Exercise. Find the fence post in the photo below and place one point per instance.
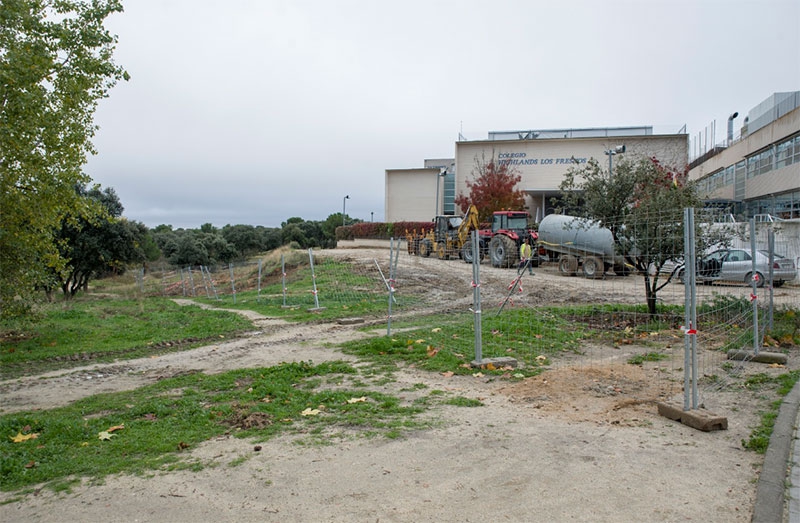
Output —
(476, 297)
(689, 312)
(283, 279)
(191, 279)
(771, 248)
(754, 282)
(390, 287)
(258, 293)
(313, 279)
(233, 284)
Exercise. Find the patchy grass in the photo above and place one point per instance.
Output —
(164, 421)
(450, 346)
(105, 329)
(782, 385)
(648, 356)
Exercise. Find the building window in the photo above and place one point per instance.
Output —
(759, 163)
(728, 176)
(787, 152)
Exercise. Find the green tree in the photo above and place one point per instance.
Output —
(98, 242)
(55, 65)
(492, 188)
(642, 204)
(245, 239)
(190, 251)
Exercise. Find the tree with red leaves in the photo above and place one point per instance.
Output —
(492, 188)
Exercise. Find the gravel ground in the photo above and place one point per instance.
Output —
(578, 443)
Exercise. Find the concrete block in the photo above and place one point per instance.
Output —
(349, 321)
(699, 419)
(761, 357)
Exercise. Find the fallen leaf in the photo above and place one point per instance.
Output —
(432, 351)
(437, 329)
(419, 341)
(519, 375)
(85, 444)
(490, 366)
(357, 400)
(20, 437)
(541, 357)
(116, 427)
(448, 374)
(30, 464)
(310, 412)
(104, 435)
(478, 375)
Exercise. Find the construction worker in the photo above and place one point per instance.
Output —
(525, 252)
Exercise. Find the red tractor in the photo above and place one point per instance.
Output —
(509, 230)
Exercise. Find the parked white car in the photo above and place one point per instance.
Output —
(736, 265)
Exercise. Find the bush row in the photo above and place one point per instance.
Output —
(380, 231)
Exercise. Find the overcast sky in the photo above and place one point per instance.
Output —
(252, 112)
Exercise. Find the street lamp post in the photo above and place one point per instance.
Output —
(344, 207)
(371, 216)
(442, 174)
(611, 152)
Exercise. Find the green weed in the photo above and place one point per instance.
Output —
(160, 423)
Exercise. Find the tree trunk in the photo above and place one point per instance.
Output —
(650, 294)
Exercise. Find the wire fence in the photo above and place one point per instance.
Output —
(577, 308)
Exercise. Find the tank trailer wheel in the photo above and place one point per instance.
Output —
(568, 265)
(592, 268)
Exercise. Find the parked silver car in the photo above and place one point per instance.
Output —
(736, 265)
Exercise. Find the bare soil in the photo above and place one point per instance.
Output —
(580, 442)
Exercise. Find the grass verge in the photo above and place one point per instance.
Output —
(782, 384)
(154, 427)
(105, 329)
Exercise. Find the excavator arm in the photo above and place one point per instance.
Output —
(468, 224)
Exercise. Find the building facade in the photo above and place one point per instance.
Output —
(758, 173)
(540, 157)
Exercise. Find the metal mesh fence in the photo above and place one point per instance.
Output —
(614, 325)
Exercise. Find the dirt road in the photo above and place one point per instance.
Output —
(557, 447)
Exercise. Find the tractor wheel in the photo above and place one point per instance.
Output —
(592, 268)
(466, 252)
(441, 251)
(502, 251)
(568, 265)
(425, 248)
